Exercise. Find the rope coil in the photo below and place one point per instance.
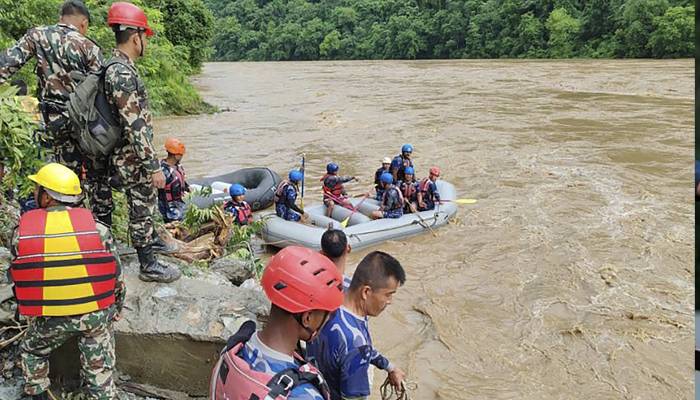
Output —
(389, 393)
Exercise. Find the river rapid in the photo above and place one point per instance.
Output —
(571, 278)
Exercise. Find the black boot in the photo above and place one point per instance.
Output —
(160, 246)
(152, 270)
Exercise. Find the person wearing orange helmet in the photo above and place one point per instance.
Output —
(134, 158)
(428, 194)
(304, 288)
(171, 202)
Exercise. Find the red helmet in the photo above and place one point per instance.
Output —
(121, 13)
(174, 146)
(435, 171)
(298, 279)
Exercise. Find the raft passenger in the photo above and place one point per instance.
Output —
(286, 197)
(241, 210)
(333, 189)
(392, 200)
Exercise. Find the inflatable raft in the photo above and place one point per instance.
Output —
(362, 231)
(260, 184)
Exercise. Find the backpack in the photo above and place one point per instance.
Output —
(95, 127)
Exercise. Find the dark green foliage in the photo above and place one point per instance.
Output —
(408, 29)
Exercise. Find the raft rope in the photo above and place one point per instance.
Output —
(389, 393)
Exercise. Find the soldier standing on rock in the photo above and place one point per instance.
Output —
(135, 160)
(67, 281)
(61, 51)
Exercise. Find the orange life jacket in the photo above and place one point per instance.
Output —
(62, 267)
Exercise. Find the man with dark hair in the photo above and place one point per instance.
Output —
(334, 245)
(343, 349)
(61, 51)
(134, 158)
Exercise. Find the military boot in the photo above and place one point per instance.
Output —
(154, 271)
(161, 246)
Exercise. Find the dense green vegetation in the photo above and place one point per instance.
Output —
(183, 29)
(400, 29)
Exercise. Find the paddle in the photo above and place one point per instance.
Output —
(413, 209)
(344, 223)
(303, 178)
(460, 201)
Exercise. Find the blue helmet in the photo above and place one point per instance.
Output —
(407, 148)
(332, 168)
(408, 171)
(295, 175)
(236, 190)
(387, 178)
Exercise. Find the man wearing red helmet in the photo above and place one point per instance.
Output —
(428, 194)
(304, 287)
(134, 158)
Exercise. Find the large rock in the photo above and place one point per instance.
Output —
(235, 270)
(170, 334)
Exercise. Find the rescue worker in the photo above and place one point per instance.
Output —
(62, 51)
(343, 349)
(135, 160)
(241, 210)
(171, 202)
(333, 189)
(67, 281)
(392, 201)
(409, 190)
(304, 288)
(286, 197)
(386, 167)
(401, 162)
(335, 246)
(428, 194)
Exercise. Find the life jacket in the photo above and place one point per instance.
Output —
(175, 189)
(405, 162)
(62, 267)
(335, 192)
(424, 185)
(241, 211)
(408, 190)
(386, 195)
(279, 193)
(233, 379)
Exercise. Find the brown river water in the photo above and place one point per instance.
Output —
(570, 278)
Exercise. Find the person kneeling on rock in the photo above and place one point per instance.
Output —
(305, 288)
(242, 213)
(171, 202)
(67, 279)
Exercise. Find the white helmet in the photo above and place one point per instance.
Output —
(386, 160)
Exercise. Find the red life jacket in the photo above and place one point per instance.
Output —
(62, 267)
(334, 193)
(424, 185)
(408, 190)
(175, 189)
(243, 212)
(233, 379)
(386, 194)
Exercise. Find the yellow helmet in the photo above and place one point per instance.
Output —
(58, 179)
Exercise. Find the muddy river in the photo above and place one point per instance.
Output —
(571, 278)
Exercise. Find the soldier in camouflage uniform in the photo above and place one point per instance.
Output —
(135, 160)
(60, 50)
(49, 325)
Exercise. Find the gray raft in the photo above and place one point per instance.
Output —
(362, 231)
(260, 184)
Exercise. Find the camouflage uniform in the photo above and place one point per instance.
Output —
(135, 161)
(95, 338)
(59, 50)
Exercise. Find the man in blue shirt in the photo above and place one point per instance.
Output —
(343, 349)
(401, 162)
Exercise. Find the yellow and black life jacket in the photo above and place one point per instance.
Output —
(62, 267)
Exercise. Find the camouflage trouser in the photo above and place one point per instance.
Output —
(141, 199)
(95, 342)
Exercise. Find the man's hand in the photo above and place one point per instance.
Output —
(304, 217)
(396, 376)
(158, 179)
